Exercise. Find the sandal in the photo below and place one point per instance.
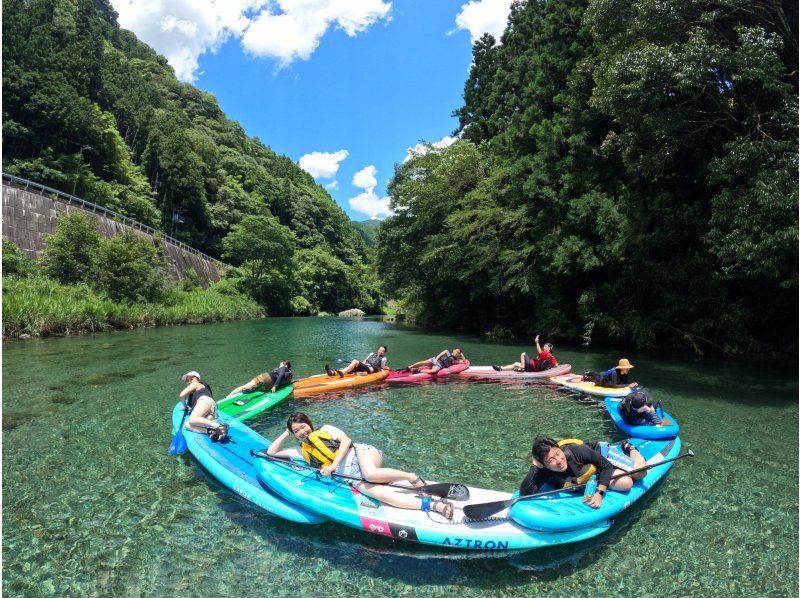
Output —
(328, 370)
(626, 447)
(447, 508)
(422, 493)
(496, 368)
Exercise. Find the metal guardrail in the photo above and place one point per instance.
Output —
(116, 216)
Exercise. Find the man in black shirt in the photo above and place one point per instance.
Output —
(570, 464)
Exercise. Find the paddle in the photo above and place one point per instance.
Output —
(453, 491)
(487, 509)
(178, 444)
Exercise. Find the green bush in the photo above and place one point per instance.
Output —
(192, 281)
(130, 268)
(71, 251)
(14, 261)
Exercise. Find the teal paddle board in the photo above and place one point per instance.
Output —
(566, 510)
(231, 464)
(342, 502)
(650, 432)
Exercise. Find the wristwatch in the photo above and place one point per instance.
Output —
(602, 492)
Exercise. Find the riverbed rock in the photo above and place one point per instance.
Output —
(352, 313)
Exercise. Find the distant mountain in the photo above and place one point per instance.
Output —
(368, 230)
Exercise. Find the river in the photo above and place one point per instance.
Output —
(93, 505)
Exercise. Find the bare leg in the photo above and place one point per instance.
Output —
(513, 366)
(351, 367)
(626, 483)
(432, 371)
(420, 364)
(369, 462)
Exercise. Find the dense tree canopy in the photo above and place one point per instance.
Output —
(89, 108)
(626, 171)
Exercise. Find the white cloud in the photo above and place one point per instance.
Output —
(294, 32)
(423, 148)
(181, 30)
(285, 30)
(365, 178)
(323, 165)
(484, 16)
(333, 185)
(369, 202)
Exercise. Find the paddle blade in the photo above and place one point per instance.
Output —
(451, 491)
(178, 444)
(487, 509)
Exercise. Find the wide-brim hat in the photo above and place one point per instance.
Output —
(624, 364)
(190, 374)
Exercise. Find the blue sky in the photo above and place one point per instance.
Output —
(344, 87)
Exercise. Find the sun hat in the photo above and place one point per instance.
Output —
(189, 374)
(624, 364)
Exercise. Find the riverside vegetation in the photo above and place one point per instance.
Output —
(625, 172)
(90, 110)
(88, 283)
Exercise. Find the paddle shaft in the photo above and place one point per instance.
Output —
(485, 509)
(428, 487)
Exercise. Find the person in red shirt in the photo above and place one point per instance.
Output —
(544, 360)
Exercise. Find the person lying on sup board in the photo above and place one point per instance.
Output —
(561, 465)
(443, 360)
(204, 417)
(544, 360)
(639, 409)
(616, 377)
(371, 364)
(331, 451)
(268, 381)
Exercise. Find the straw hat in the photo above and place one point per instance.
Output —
(624, 364)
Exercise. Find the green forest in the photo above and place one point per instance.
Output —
(626, 172)
(90, 110)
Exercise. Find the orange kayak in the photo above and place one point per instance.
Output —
(323, 383)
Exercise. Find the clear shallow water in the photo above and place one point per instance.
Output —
(92, 504)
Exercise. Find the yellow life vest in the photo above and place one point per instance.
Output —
(320, 449)
(587, 472)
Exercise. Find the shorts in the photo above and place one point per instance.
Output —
(364, 367)
(529, 365)
(349, 466)
(263, 380)
(614, 454)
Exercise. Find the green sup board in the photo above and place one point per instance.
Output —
(243, 406)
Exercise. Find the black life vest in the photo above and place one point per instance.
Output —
(446, 361)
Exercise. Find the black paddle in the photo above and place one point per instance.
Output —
(487, 509)
(446, 490)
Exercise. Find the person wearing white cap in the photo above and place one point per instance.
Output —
(204, 417)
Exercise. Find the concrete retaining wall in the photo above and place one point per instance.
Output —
(29, 216)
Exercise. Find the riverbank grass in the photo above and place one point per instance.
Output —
(41, 306)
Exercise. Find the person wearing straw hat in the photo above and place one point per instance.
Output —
(204, 417)
(618, 375)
